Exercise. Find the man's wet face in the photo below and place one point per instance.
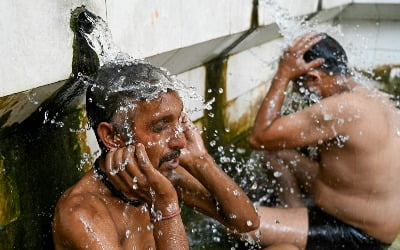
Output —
(158, 127)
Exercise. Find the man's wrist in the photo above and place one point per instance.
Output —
(161, 217)
(282, 77)
(197, 161)
(164, 209)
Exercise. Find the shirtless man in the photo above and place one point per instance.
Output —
(354, 180)
(130, 200)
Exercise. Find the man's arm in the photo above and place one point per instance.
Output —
(331, 117)
(202, 184)
(291, 66)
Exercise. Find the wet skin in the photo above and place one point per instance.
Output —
(355, 131)
(88, 215)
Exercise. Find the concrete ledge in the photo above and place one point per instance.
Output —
(381, 11)
(328, 4)
(180, 60)
(377, 1)
(21, 105)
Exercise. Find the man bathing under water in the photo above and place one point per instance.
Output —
(130, 200)
(354, 180)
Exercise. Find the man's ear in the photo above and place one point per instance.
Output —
(314, 75)
(108, 135)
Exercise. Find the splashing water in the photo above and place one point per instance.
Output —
(291, 27)
(99, 38)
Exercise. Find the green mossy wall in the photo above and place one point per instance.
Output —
(37, 163)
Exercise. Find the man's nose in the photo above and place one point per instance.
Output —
(178, 140)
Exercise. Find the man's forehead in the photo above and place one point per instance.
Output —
(162, 103)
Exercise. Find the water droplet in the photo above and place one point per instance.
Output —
(127, 233)
(249, 223)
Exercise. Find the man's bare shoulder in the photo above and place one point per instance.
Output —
(85, 190)
(79, 211)
(351, 106)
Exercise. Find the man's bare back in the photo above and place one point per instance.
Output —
(355, 130)
(364, 161)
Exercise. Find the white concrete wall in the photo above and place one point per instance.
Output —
(36, 42)
(371, 43)
(248, 69)
(145, 28)
(181, 35)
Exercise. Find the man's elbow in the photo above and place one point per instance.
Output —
(255, 223)
(250, 224)
(254, 142)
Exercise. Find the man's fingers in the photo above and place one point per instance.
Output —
(134, 176)
(307, 38)
(113, 172)
(118, 159)
(111, 165)
(109, 160)
(296, 41)
(143, 161)
(188, 131)
(309, 44)
(315, 63)
(300, 41)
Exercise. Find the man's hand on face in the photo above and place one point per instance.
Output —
(292, 64)
(130, 170)
(195, 148)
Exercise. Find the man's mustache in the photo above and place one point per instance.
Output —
(174, 154)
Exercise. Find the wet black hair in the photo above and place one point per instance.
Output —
(333, 53)
(115, 86)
